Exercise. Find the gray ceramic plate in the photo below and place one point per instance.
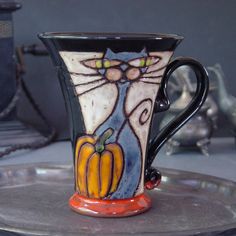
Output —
(33, 201)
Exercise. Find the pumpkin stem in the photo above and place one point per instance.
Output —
(100, 145)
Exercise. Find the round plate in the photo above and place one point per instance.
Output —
(34, 201)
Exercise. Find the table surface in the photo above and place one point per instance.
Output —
(221, 161)
(34, 201)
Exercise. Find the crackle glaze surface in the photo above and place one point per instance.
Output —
(116, 93)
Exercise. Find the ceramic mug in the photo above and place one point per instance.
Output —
(113, 84)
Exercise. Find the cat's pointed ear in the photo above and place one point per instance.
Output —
(109, 53)
(143, 52)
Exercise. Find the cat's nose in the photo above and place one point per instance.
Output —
(102, 71)
(124, 67)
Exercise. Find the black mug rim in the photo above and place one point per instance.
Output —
(100, 42)
(109, 36)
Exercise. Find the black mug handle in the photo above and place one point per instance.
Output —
(153, 176)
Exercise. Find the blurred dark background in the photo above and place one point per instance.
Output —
(207, 25)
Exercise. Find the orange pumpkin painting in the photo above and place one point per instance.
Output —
(98, 166)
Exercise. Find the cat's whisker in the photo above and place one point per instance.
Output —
(91, 89)
(90, 82)
(83, 74)
(149, 82)
(150, 71)
(151, 77)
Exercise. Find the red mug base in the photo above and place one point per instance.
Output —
(110, 208)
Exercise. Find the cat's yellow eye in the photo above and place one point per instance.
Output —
(152, 60)
(93, 63)
(142, 62)
(139, 62)
(98, 64)
(107, 64)
(148, 62)
(111, 63)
